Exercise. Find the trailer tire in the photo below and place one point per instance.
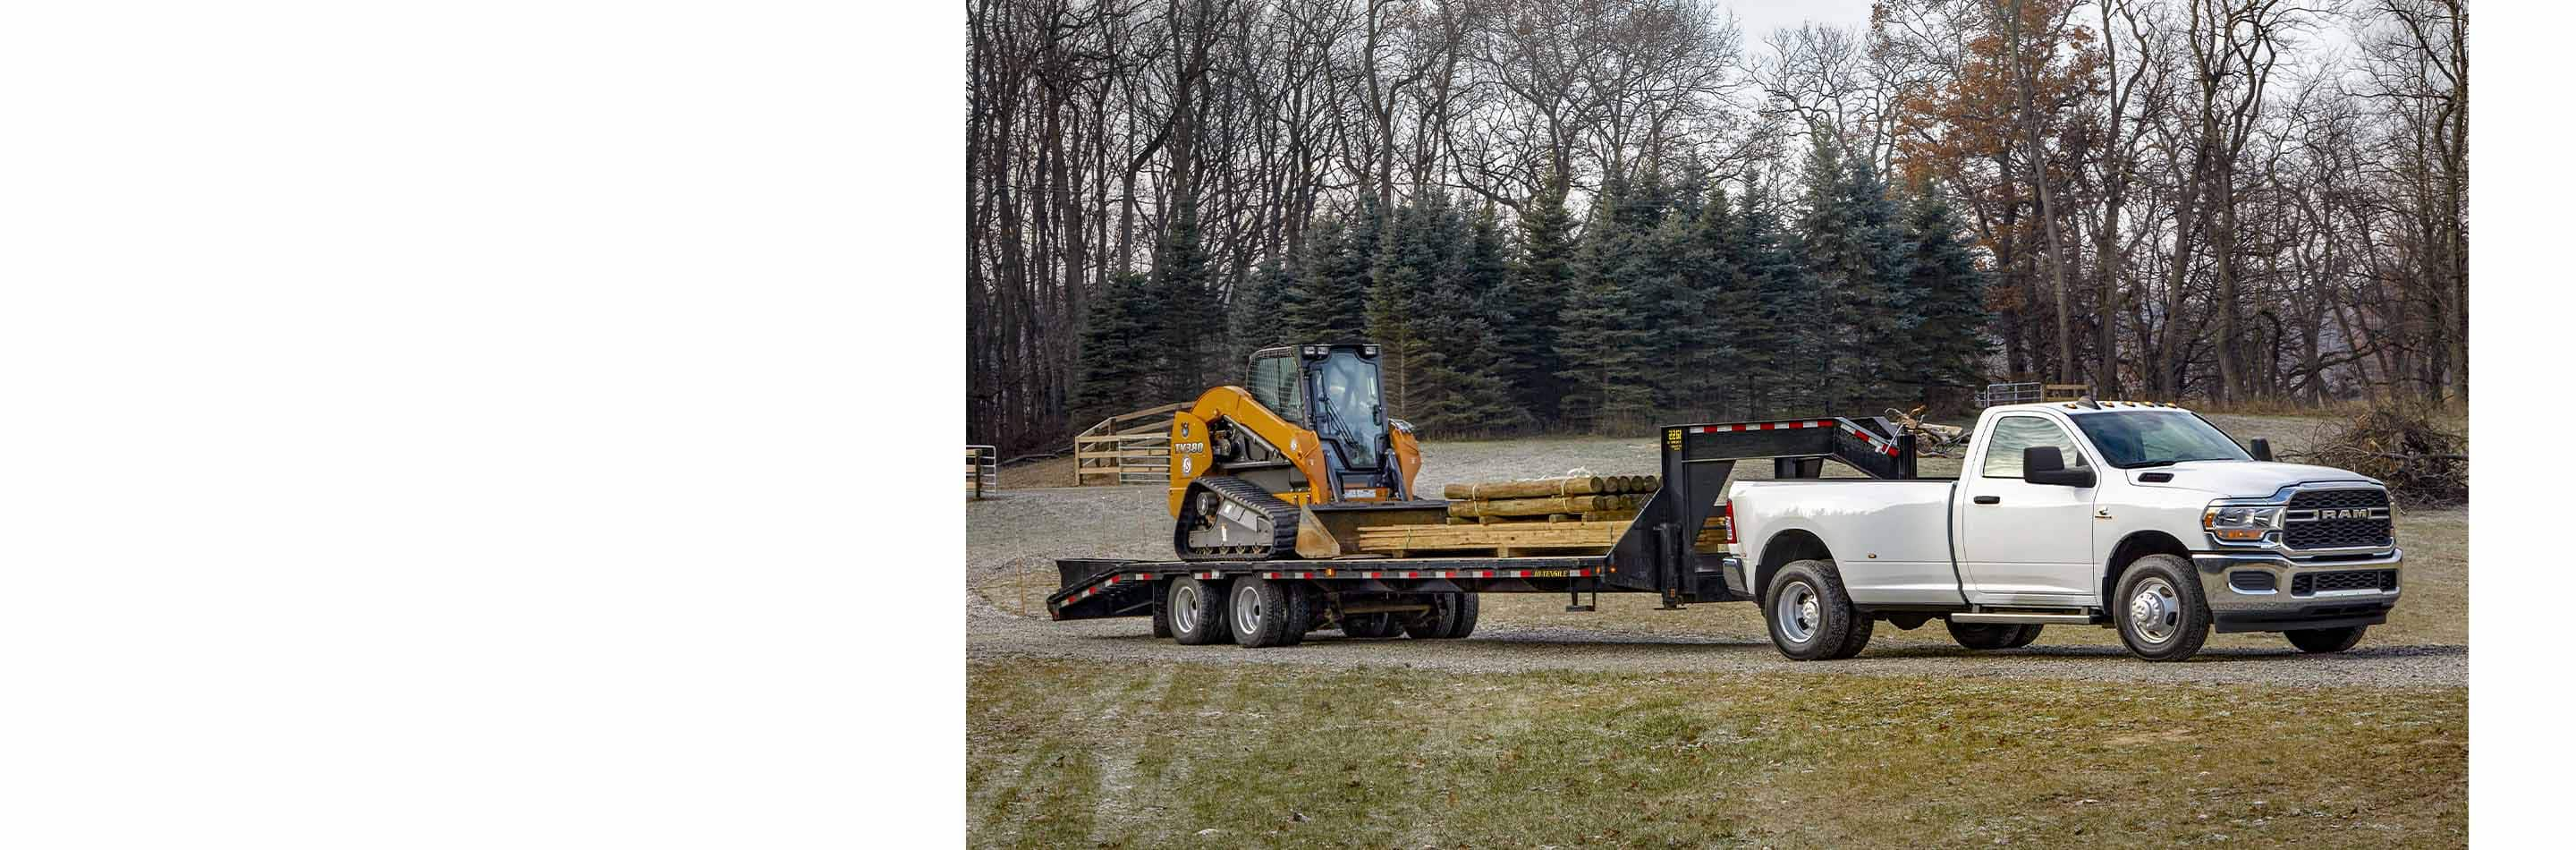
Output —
(1433, 624)
(1987, 635)
(1463, 622)
(1162, 617)
(1195, 609)
(1379, 625)
(1262, 613)
(1305, 611)
(2159, 609)
(1821, 618)
(2325, 640)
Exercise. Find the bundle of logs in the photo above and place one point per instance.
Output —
(1581, 498)
(1581, 514)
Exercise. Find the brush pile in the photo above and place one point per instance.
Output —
(1574, 498)
(2423, 464)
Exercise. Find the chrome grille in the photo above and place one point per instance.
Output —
(2352, 517)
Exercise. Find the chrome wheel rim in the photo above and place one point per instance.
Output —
(1247, 609)
(2155, 610)
(1797, 612)
(1185, 608)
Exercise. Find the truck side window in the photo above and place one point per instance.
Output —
(2015, 433)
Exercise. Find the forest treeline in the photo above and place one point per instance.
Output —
(1596, 213)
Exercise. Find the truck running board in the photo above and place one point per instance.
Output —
(2026, 619)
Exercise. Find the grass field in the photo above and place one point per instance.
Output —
(1062, 755)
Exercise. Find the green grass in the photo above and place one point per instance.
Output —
(1064, 754)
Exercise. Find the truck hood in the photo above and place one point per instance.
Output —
(2241, 479)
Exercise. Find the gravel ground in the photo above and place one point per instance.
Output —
(1012, 539)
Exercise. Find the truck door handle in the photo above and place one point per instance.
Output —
(1990, 500)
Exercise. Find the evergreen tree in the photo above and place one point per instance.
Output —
(1330, 301)
(1946, 296)
(1602, 350)
(1116, 352)
(1847, 235)
(1528, 305)
(1185, 319)
(1259, 310)
(1408, 258)
(1708, 352)
(1782, 343)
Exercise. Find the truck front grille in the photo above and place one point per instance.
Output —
(2372, 529)
(2310, 584)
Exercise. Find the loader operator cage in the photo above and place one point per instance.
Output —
(1347, 409)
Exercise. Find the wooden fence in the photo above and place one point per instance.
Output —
(1129, 448)
(983, 470)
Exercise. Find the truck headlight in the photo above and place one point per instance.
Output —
(2240, 523)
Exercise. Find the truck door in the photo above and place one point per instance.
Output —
(2019, 542)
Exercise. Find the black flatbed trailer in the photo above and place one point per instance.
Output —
(1657, 554)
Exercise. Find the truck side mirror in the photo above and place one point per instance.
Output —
(2262, 449)
(2046, 465)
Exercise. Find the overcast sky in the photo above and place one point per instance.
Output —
(1760, 17)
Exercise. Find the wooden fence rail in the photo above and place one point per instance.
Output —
(1129, 448)
(983, 470)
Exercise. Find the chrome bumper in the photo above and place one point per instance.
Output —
(2278, 608)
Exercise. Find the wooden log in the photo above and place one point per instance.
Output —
(1532, 507)
(1582, 485)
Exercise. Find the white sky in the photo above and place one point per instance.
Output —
(1760, 17)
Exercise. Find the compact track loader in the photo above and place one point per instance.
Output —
(1294, 462)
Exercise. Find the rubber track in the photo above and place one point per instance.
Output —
(1283, 521)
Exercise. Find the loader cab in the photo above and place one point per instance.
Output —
(1332, 390)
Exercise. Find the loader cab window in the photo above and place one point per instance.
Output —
(1273, 383)
(1347, 410)
(2015, 433)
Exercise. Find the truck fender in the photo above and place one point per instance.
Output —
(1782, 547)
(2138, 544)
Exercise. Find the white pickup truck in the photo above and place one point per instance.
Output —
(2141, 517)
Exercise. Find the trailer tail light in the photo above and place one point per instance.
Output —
(1726, 521)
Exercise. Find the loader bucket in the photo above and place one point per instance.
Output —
(1332, 530)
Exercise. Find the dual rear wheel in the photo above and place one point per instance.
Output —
(1257, 612)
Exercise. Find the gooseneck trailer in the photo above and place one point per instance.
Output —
(1261, 603)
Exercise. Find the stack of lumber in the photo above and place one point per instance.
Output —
(1581, 514)
(1580, 498)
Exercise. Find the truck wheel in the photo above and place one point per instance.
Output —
(1858, 638)
(1259, 610)
(2028, 633)
(1992, 635)
(1810, 615)
(1463, 622)
(2159, 609)
(2325, 640)
(1196, 610)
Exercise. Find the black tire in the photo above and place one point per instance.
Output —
(2159, 609)
(2028, 633)
(1987, 635)
(1383, 624)
(2325, 640)
(1858, 639)
(1196, 611)
(1439, 622)
(1822, 620)
(1162, 618)
(1260, 612)
(1305, 609)
(1463, 622)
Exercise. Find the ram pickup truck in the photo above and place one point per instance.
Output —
(2135, 516)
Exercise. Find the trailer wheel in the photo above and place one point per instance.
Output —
(1379, 625)
(1162, 618)
(1196, 609)
(1991, 635)
(1433, 624)
(1463, 622)
(1811, 618)
(2159, 609)
(1262, 613)
(2325, 640)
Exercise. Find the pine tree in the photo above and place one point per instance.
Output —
(1782, 345)
(1330, 302)
(1601, 346)
(1848, 239)
(1187, 321)
(1528, 305)
(1946, 296)
(1709, 355)
(1116, 351)
(1408, 257)
(1259, 309)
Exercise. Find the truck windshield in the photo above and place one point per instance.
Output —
(1346, 407)
(2131, 438)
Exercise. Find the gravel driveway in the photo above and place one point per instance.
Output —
(1011, 541)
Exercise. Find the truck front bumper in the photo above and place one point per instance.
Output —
(2263, 592)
